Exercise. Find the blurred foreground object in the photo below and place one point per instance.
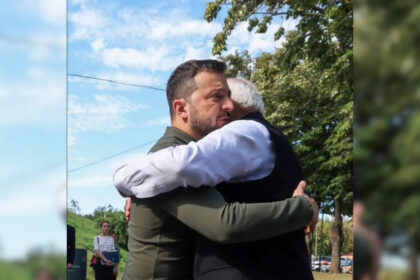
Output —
(387, 127)
(79, 269)
(33, 137)
(71, 246)
(307, 87)
(37, 265)
(367, 247)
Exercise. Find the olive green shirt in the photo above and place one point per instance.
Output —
(162, 228)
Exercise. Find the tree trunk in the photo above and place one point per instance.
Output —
(413, 273)
(309, 239)
(337, 237)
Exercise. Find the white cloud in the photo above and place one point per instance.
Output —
(23, 205)
(164, 29)
(138, 78)
(241, 38)
(86, 23)
(120, 40)
(155, 59)
(37, 73)
(39, 46)
(135, 78)
(253, 42)
(52, 12)
(7, 171)
(98, 45)
(290, 24)
(42, 195)
(195, 53)
(102, 175)
(42, 103)
(90, 181)
(131, 78)
(152, 25)
(77, 2)
(240, 35)
(105, 113)
(71, 138)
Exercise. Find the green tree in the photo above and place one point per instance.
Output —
(74, 206)
(239, 64)
(117, 219)
(322, 239)
(51, 263)
(307, 89)
(120, 225)
(387, 124)
(348, 237)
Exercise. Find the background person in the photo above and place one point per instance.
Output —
(71, 246)
(104, 243)
(160, 243)
(227, 154)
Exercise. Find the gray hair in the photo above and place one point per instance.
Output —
(246, 94)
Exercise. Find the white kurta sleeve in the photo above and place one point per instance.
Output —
(239, 151)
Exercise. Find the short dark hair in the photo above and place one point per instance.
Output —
(105, 222)
(181, 82)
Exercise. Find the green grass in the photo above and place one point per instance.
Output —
(14, 271)
(390, 274)
(330, 276)
(86, 230)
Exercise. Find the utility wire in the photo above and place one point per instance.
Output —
(111, 156)
(115, 82)
(126, 151)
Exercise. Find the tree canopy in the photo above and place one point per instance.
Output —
(387, 135)
(307, 86)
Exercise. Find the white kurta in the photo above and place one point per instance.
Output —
(239, 151)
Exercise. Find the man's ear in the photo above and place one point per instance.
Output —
(180, 108)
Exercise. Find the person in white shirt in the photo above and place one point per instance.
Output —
(104, 243)
(240, 151)
(164, 225)
(237, 152)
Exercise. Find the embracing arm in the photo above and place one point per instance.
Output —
(239, 151)
(206, 211)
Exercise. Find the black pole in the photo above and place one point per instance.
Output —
(321, 245)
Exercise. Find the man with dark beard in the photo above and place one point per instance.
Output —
(161, 236)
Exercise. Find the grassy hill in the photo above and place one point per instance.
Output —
(37, 262)
(14, 271)
(86, 230)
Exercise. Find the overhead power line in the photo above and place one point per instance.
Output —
(115, 82)
(111, 156)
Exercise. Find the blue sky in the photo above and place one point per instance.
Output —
(32, 124)
(139, 44)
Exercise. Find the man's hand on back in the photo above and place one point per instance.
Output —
(127, 209)
(300, 191)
